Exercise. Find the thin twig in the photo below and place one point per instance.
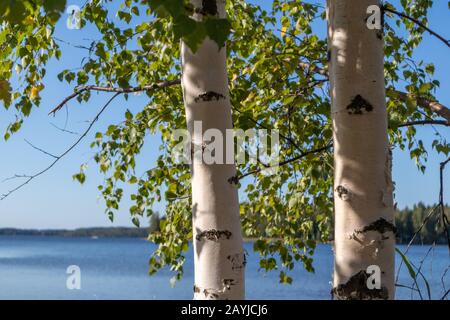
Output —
(424, 222)
(424, 122)
(58, 158)
(80, 90)
(64, 130)
(419, 272)
(444, 274)
(40, 150)
(405, 286)
(403, 15)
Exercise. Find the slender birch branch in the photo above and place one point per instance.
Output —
(59, 157)
(417, 22)
(80, 90)
(424, 122)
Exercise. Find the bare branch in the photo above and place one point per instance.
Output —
(16, 176)
(40, 150)
(80, 90)
(65, 130)
(425, 122)
(58, 158)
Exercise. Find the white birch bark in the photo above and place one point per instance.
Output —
(218, 248)
(363, 191)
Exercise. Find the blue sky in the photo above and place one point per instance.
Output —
(56, 201)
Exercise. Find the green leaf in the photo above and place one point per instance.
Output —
(80, 177)
(408, 264)
(218, 30)
(5, 92)
(284, 278)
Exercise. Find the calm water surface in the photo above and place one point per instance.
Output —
(35, 267)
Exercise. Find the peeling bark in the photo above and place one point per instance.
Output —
(213, 235)
(381, 226)
(343, 193)
(233, 180)
(238, 261)
(216, 294)
(209, 96)
(356, 289)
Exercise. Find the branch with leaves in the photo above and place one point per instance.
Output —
(387, 8)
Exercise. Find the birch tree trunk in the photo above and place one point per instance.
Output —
(218, 247)
(363, 191)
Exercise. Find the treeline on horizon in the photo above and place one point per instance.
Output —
(407, 221)
(106, 232)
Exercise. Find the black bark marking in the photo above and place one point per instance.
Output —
(386, 196)
(380, 34)
(213, 235)
(356, 289)
(209, 8)
(329, 55)
(209, 96)
(381, 225)
(192, 151)
(233, 180)
(343, 193)
(238, 261)
(228, 283)
(358, 105)
(206, 292)
(215, 293)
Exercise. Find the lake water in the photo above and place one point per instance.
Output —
(35, 267)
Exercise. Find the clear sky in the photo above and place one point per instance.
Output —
(56, 201)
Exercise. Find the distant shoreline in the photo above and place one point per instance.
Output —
(101, 232)
(127, 232)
